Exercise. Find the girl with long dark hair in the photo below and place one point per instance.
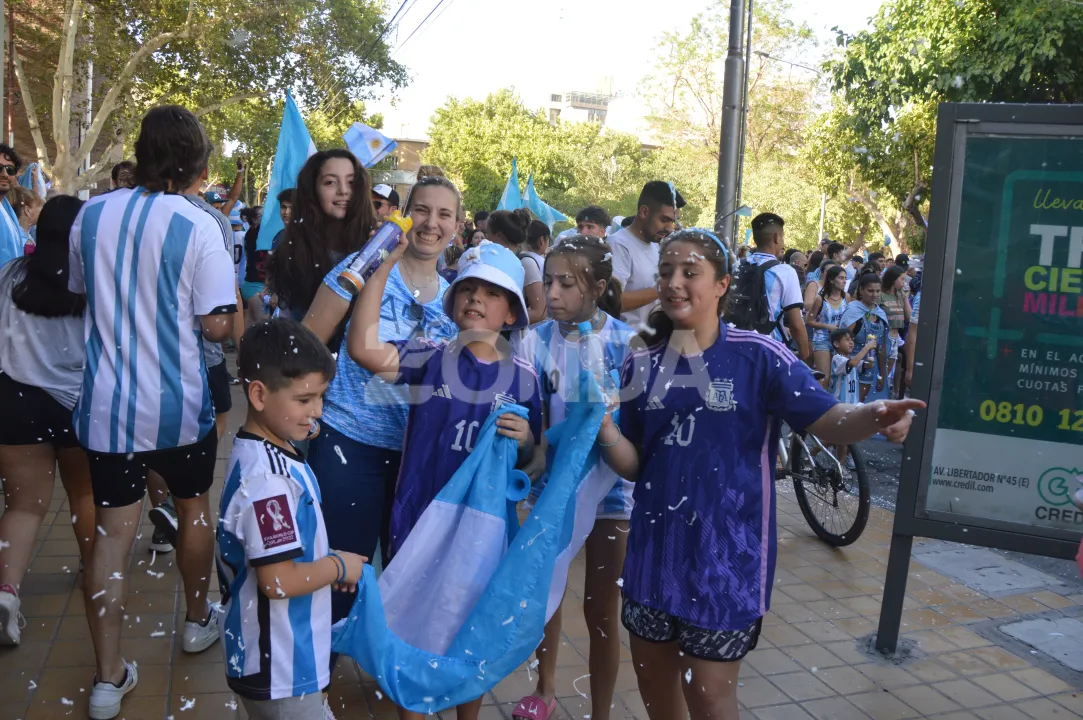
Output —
(41, 369)
(331, 218)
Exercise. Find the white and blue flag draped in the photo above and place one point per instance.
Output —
(465, 601)
(511, 199)
(295, 146)
(33, 179)
(368, 144)
(544, 212)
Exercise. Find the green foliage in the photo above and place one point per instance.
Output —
(209, 56)
(574, 164)
(876, 142)
(685, 95)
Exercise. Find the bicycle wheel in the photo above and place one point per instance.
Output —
(835, 506)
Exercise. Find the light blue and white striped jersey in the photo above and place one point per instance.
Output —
(12, 237)
(844, 380)
(150, 265)
(783, 291)
(555, 360)
(270, 513)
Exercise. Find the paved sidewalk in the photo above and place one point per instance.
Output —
(809, 663)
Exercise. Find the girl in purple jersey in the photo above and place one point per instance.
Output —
(580, 289)
(700, 414)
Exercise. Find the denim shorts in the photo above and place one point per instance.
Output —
(823, 345)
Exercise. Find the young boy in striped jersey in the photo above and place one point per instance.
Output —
(274, 564)
(845, 380)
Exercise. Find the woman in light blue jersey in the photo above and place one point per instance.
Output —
(824, 315)
(357, 453)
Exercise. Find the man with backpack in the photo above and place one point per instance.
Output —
(766, 296)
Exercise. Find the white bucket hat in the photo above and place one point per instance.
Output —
(495, 264)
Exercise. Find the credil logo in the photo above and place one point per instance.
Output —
(1056, 485)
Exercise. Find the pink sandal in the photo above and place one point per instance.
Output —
(533, 707)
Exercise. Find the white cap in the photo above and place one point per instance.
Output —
(383, 191)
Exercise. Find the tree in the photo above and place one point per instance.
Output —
(684, 92)
(195, 53)
(877, 142)
(574, 164)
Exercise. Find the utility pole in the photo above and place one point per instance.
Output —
(732, 109)
(4, 49)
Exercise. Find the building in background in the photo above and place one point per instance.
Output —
(405, 161)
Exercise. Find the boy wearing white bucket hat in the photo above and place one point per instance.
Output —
(456, 384)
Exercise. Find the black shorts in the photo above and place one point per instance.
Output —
(120, 479)
(32, 416)
(659, 627)
(218, 382)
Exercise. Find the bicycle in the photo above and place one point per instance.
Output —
(833, 499)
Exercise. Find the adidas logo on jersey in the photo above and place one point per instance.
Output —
(443, 392)
(655, 404)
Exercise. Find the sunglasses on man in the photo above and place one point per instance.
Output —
(9, 169)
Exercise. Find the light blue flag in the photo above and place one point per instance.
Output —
(369, 145)
(33, 179)
(511, 200)
(546, 213)
(295, 146)
(465, 600)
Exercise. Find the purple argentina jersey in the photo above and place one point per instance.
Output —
(451, 395)
(702, 543)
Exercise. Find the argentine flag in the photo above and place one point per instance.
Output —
(465, 600)
(369, 145)
(295, 146)
(511, 200)
(546, 213)
(33, 179)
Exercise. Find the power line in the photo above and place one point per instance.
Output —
(437, 18)
(435, 8)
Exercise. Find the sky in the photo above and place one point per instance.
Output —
(469, 48)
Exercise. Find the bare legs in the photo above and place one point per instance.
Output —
(606, 546)
(29, 473)
(674, 685)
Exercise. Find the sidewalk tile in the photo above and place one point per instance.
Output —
(783, 635)
(822, 631)
(887, 676)
(771, 662)
(835, 708)
(999, 658)
(966, 693)
(926, 700)
(791, 711)
(964, 638)
(758, 692)
(801, 686)
(1052, 599)
(881, 705)
(929, 670)
(1001, 712)
(845, 680)
(1045, 709)
(814, 656)
(1005, 687)
(932, 641)
(1041, 681)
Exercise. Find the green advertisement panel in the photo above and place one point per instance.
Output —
(1009, 431)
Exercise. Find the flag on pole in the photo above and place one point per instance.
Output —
(369, 145)
(544, 212)
(295, 146)
(511, 200)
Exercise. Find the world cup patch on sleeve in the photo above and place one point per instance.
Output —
(276, 526)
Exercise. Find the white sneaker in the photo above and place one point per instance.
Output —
(105, 697)
(12, 621)
(198, 638)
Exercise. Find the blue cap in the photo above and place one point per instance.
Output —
(496, 264)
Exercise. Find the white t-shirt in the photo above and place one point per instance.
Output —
(150, 264)
(635, 265)
(783, 290)
(42, 352)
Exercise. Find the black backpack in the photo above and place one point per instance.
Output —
(749, 308)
